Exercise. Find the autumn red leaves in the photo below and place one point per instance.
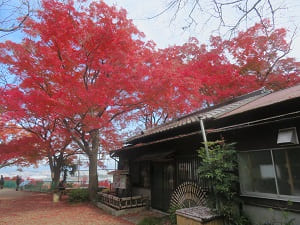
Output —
(83, 73)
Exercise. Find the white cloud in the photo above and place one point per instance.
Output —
(164, 33)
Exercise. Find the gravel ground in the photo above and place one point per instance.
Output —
(28, 208)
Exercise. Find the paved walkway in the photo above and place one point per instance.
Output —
(29, 208)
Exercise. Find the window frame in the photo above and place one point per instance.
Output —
(277, 196)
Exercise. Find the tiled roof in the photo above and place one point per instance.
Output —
(274, 98)
(208, 113)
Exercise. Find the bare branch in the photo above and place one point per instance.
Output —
(284, 53)
(10, 17)
(171, 5)
(217, 10)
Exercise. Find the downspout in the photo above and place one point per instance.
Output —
(207, 155)
(204, 136)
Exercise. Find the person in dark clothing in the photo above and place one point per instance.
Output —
(1, 182)
(18, 181)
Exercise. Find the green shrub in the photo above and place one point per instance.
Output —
(219, 168)
(78, 195)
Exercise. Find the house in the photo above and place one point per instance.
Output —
(162, 162)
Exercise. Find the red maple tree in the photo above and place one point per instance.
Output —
(31, 133)
(262, 52)
(193, 75)
(85, 68)
(87, 72)
(190, 77)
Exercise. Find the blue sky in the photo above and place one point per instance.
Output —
(164, 32)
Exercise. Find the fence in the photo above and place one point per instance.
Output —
(40, 186)
(123, 203)
(10, 184)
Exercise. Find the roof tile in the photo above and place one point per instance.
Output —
(216, 111)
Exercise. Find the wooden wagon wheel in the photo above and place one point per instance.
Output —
(187, 195)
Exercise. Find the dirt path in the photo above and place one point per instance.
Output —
(28, 208)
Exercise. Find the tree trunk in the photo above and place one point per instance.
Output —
(56, 176)
(55, 168)
(93, 162)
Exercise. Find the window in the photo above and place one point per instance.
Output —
(257, 173)
(287, 166)
(273, 173)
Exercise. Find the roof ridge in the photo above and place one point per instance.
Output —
(228, 101)
(150, 131)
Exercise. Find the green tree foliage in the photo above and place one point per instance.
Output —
(219, 169)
